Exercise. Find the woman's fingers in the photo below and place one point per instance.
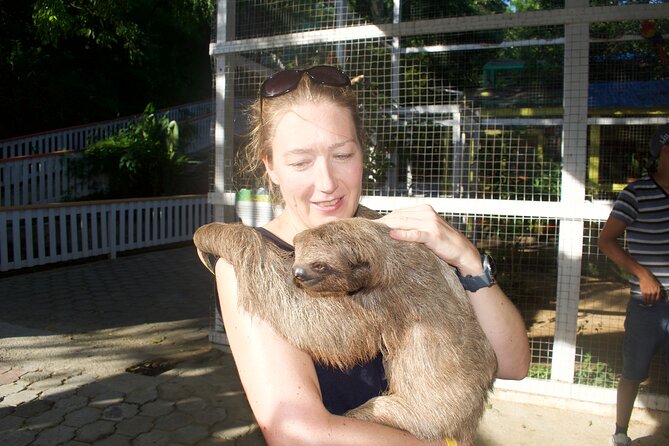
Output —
(423, 225)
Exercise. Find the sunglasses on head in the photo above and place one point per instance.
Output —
(287, 80)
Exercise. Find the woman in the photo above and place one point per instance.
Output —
(308, 136)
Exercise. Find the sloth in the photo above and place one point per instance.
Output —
(350, 292)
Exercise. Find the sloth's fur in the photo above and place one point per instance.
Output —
(352, 291)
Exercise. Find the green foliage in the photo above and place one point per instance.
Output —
(65, 63)
(103, 23)
(112, 23)
(597, 374)
(376, 11)
(539, 371)
(427, 9)
(534, 5)
(509, 179)
(635, 60)
(141, 160)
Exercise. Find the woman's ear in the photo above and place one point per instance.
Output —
(269, 170)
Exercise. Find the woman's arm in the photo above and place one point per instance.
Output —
(498, 317)
(608, 243)
(281, 385)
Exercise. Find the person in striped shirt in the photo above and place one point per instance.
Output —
(641, 212)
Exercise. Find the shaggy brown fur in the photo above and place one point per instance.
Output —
(370, 293)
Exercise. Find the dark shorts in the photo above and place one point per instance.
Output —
(646, 332)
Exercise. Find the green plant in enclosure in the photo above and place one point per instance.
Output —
(597, 374)
(140, 160)
(539, 371)
(547, 182)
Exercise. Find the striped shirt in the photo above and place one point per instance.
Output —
(644, 207)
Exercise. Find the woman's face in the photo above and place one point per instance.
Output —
(317, 164)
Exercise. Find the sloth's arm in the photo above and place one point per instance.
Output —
(281, 385)
(499, 318)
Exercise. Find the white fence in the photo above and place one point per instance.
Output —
(198, 114)
(40, 179)
(202, 136)
(37, 169)
(39, 235)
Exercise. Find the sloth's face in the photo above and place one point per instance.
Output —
(340, 258)
(320, 270)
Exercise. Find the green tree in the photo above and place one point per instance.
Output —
(71, 62)
(142, 160)
(534, 5)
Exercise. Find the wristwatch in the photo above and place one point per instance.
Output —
(485, 280)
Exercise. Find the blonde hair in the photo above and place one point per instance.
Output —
(258, 145)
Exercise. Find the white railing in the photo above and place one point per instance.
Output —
(47, 177)
(39, 235)
(40, 179)
(78, 137)
(202, 135)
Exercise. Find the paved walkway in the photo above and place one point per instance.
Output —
(69, 335)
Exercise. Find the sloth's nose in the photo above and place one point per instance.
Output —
(299, 273)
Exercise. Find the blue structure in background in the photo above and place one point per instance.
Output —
(635, 94)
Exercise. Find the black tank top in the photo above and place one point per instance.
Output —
(343, 391)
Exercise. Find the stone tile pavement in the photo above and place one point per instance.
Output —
(69, 335)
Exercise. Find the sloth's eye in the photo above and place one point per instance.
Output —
(320, 267)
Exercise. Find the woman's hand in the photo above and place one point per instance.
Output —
(423, 225)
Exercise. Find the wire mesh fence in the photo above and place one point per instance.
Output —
(520, 127)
